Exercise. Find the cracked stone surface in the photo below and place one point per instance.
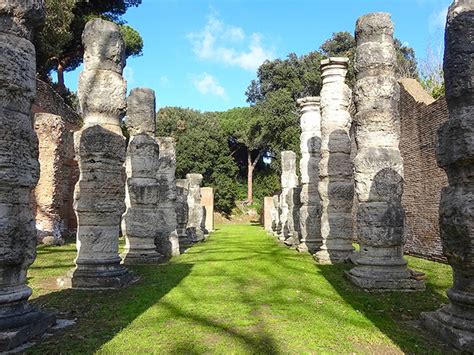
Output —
(378, 163)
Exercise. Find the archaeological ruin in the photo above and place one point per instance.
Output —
(385, 171)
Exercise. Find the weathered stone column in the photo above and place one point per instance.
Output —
(100, 150)
(182, 187)
(310, 145)
(140, 223)
(378, 163)
(289, 183)
(336, 186)
(276, 215)
(454, 322)
(19, 321)
(167, 240)
(194, 230)
(207, 200)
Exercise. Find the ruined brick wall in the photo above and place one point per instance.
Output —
(421, 116)
(59, 172)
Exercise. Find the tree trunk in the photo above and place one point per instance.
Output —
(61, 86)
(250, 168)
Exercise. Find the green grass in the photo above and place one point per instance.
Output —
(240, 292)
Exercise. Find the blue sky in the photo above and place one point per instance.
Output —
(203, 54)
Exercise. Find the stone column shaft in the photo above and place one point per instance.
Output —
(140, 223)
(194, 232)
(100, 150)
(167, 241)
(378, 163)
(454, 323)
(310, 145)
(289, 199)
(182, 187)
(19, 321)
(336, 185)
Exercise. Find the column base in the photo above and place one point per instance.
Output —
(330, 257)
(450, 327)
(405, 280)
(98, 277)
(40, 322)
(142, 259)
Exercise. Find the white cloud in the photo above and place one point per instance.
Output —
(437, 20)
(206, 84)
(230, 45)
(164, 81)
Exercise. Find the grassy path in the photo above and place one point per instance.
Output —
(239, 292)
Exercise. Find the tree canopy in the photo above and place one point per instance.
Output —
(59, 45)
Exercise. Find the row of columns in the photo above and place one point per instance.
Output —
(376, 173)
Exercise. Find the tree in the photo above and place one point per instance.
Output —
(243, 128)
(432, 75)
(202, 147)
(59, 45)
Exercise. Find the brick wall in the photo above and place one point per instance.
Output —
(56, 152)
(421, 116)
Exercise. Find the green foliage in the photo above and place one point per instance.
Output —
(59, 45)
(202, 148)
(240, 292)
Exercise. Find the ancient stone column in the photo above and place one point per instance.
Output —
(182, 187)
(167, 240)
(100, 150)
(207, 200)
(378, 164)
(275, 215)
(19, 172)
(454, 323)
(194, 230)
(336, 186)
(289, 183)
(310, 145)
(140, 222)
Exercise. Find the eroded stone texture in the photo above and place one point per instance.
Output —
(194, 232)
(268, 213)
(276, 215)
(140, 223)
(167, 241)
(336, 186)
(454, 322)
(378, 164)
(100, 150)
(207, 200)
(50, 190)
(182, 187)
(310, 145)
(19, 172)
(289, 199)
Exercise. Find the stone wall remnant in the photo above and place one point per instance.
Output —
(140, 222)
(167, 241)
(19, 320)
(310, 145)
(207, 200)
(267, 213)
(100, 151)
(378, 164)
(336, 185)
(288, 199)
(194, 231)
(454, 322)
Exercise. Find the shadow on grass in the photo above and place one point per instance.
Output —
(403, 309)
(101, 315)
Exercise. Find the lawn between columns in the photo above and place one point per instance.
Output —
(239, 292)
